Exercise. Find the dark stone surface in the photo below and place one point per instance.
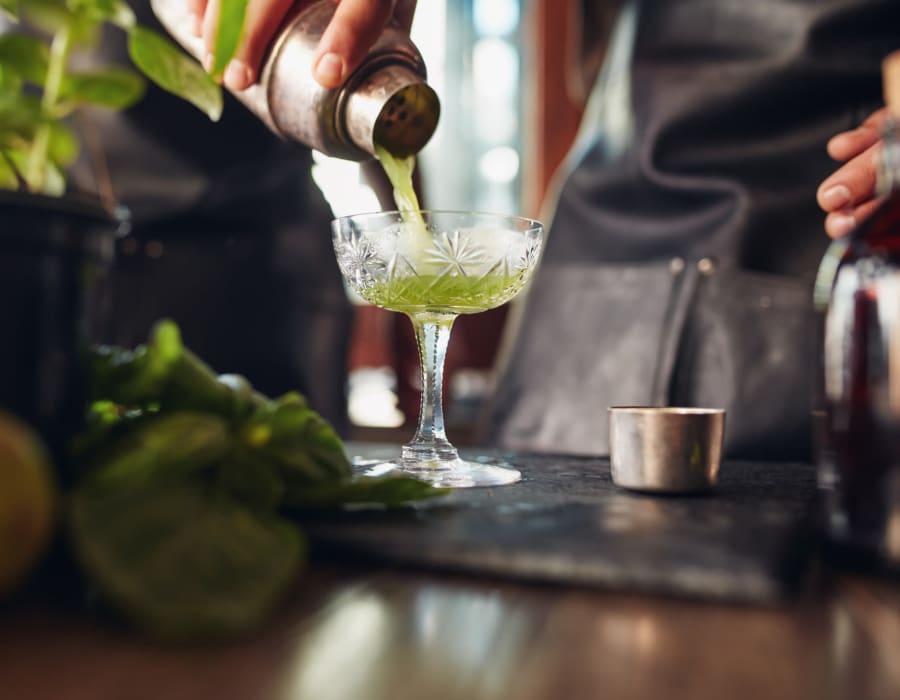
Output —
(750, 540)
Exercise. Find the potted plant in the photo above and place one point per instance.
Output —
(56, 244)
(178, 475)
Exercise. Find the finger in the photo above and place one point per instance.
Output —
(852, 183)
(350, 34)
(196, 10)
(839, 223)
(260, 25)
(264, 17)
(848, 144)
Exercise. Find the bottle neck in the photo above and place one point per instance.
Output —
(889, 168)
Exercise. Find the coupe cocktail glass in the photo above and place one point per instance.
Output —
(433, 266)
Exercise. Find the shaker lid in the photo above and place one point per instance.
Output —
(393, 108)
(407, 120)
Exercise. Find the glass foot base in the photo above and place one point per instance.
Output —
(454, 473)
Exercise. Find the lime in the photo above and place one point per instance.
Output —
(28, 500)
(182, 562)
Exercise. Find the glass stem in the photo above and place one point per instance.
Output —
(430, 441)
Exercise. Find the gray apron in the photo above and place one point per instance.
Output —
(686, 235)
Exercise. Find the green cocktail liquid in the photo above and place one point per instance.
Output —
(435, 290)
(448, 294)
(399, 171)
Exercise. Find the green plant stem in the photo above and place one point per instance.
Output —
(20, 181)
(56, 70)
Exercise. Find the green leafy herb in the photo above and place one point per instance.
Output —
(36, 62)
(8, 173)
(20, 117)
(382, 490)
(165, 373)
(26, 56)
(228, 36)
(115, 88)
(248, 477)
(63, 146)
(10, 8)
(164, 447)
(173, 70)
(116, 12)
(184, 480)
(296, 438)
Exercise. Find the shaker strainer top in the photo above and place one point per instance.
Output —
(407, 120)
(391, 107)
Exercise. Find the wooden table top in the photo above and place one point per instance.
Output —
(372, 633)
(363, 628)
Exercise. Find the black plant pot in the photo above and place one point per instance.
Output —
(55, 257)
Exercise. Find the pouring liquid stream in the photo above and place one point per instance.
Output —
(399, 171)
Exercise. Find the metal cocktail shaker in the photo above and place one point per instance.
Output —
(384, 101)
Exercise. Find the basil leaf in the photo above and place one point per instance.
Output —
(166, 448)
(10, 8)
(54, 181)
(51, 15)
(387, 490)
(115, 88)
(20, 115)
(64, 147)
(302, 443)
(171, 69)
(25, 56)
(10, 81)
(9, 175)
(228, 33)
(114, 11)
(139, 376)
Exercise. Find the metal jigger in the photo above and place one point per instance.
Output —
(665, 449)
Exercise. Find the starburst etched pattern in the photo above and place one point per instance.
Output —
(359, 261)
(454, 252)
(399, 267)
(519, 260)
(531, 255)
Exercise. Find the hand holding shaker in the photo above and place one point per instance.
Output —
(385, 101)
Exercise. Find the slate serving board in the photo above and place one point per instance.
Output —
(751, 540)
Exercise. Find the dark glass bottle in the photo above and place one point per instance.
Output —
(859, 292)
